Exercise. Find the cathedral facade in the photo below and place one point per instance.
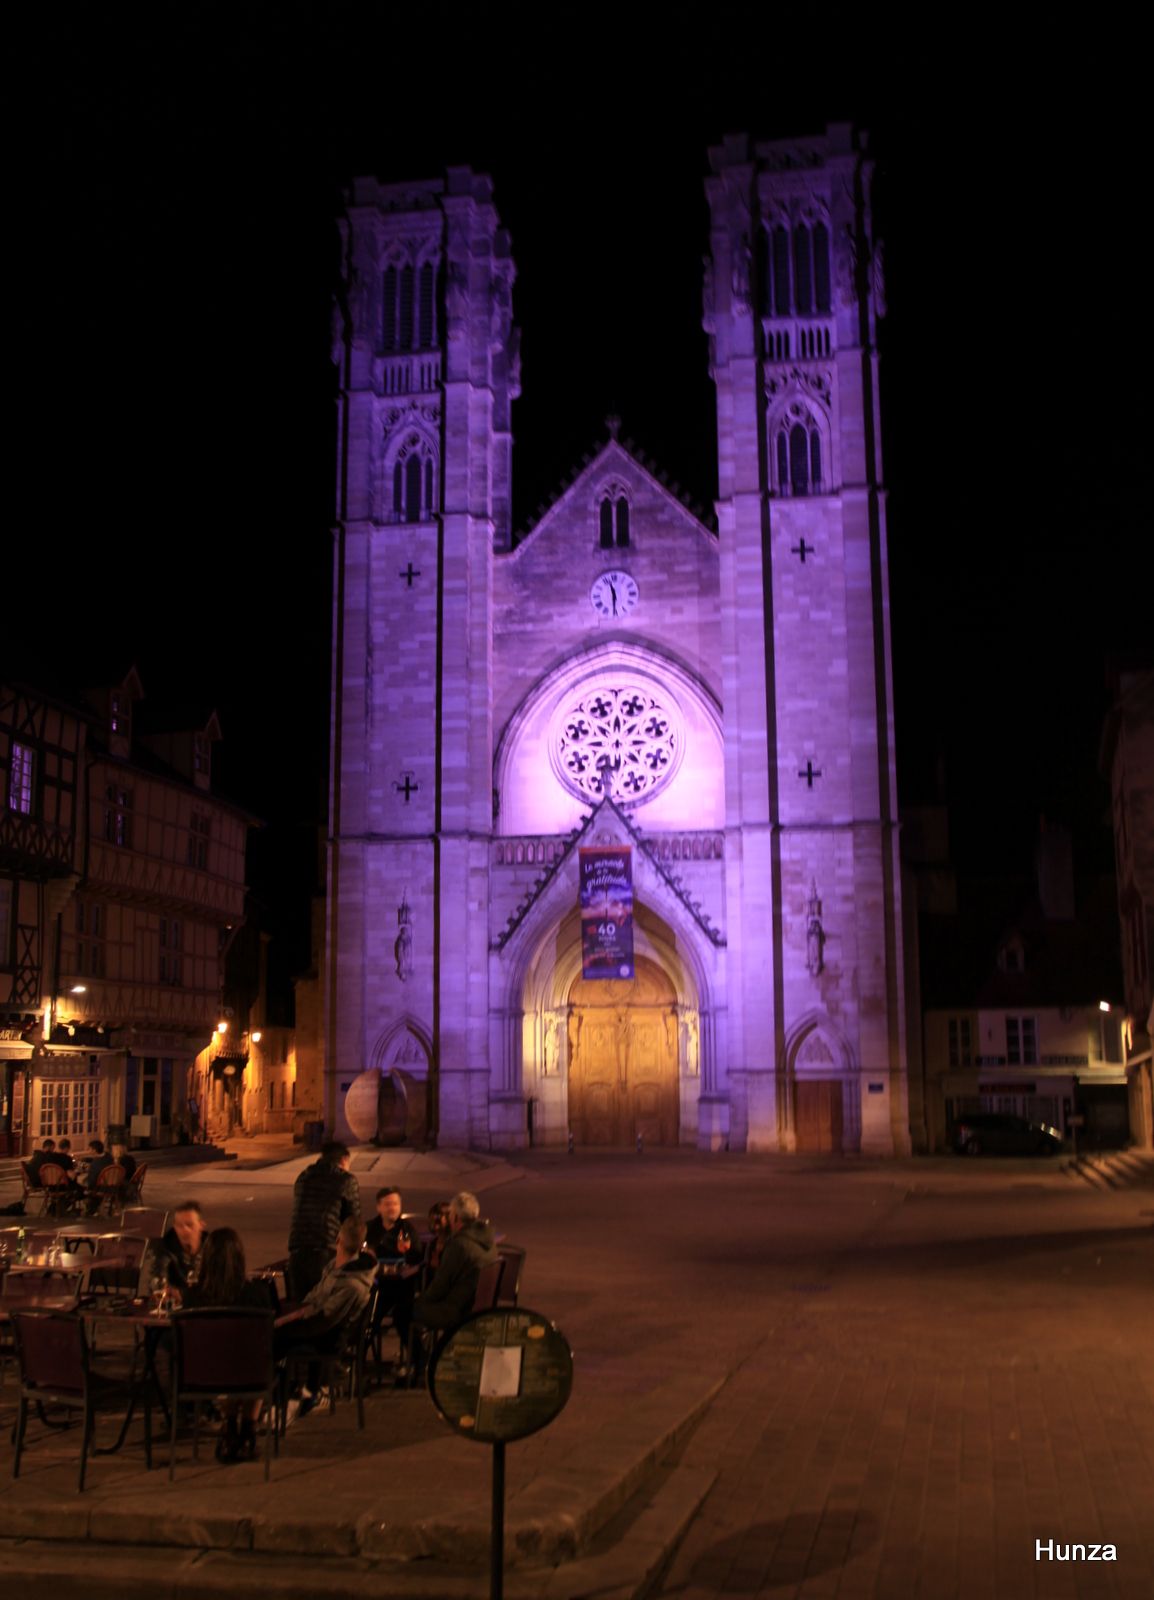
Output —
(713, 707)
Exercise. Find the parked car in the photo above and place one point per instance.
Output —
(999, 1133)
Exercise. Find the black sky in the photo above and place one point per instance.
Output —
(186, 173)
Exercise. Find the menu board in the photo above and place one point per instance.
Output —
(502, 1375)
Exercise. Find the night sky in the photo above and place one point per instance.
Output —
(186, 172)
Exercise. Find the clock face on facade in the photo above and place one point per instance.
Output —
(614, 594)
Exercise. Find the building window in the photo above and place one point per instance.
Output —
(1021, 1041)
(67, 1108)
(614, 522)
(780, 260)
(425, 322)
(201, 752)
(20, 776)
(414, 481)
(199, 829)
(961, 1050)
(389, 309)
(89, 939)
(171, 960)
(797, 276)
(118, 816)
(797, 453)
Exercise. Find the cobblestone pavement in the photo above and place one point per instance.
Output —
(931, 1365)
(961, 1386)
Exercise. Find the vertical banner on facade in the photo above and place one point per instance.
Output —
(607, 912)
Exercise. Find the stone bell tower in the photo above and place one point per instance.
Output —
(793, 295)
(428, 364)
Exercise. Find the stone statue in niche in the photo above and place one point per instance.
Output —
(690, 1045)
(552, 1043)
(739, 280)
(814, 933)
(403, 944)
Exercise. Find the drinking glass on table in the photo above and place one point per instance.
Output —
(158, 1287)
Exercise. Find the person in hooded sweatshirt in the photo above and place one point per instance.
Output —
(449, 1298)
(327, 1309)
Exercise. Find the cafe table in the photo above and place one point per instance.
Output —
(149, 1324)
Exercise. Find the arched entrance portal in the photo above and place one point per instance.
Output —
(623, 1059)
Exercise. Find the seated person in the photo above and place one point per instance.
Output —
(45, 1156)
(391, 1236)
(122, 1158)
(321, 1318)
(64, 1155)
(100, 1162)
(449, 1298)
(441, 1231)
(223, 1282)
(182, 1248)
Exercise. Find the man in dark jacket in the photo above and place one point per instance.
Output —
(392, 1237)
(182, 1247)
(323, 1196)
(44, 1157)
(449, 1298)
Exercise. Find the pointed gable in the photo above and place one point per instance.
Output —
(548, 608)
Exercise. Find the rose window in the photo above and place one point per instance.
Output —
(620, 738)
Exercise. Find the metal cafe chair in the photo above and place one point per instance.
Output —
(46, 1288)
(486, 1297)
(134, 1188)
(489, 1286)
(58, 1193)
(149, 1220)
(116, 1263)
(513, 1257)
(52, 1356)
(223, 1351)
(108, 1188)
(341, 1366)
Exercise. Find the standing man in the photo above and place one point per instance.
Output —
(324, 1195)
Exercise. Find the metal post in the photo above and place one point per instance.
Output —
(497, 1536)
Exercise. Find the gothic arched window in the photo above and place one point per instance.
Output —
(622, 522)
(802, 271)
(798, 460)
(414, 480)
(425, 309)
(821, 267)
(405, 309)
(389, 310)
(781, 300)
(614, 520)
(797, 453)
(413, 489)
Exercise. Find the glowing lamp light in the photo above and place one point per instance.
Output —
(78, 988)
(221, 1027)
(255, 1036)
(1103, 1005)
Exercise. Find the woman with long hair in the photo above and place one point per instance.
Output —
(223, 1281)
